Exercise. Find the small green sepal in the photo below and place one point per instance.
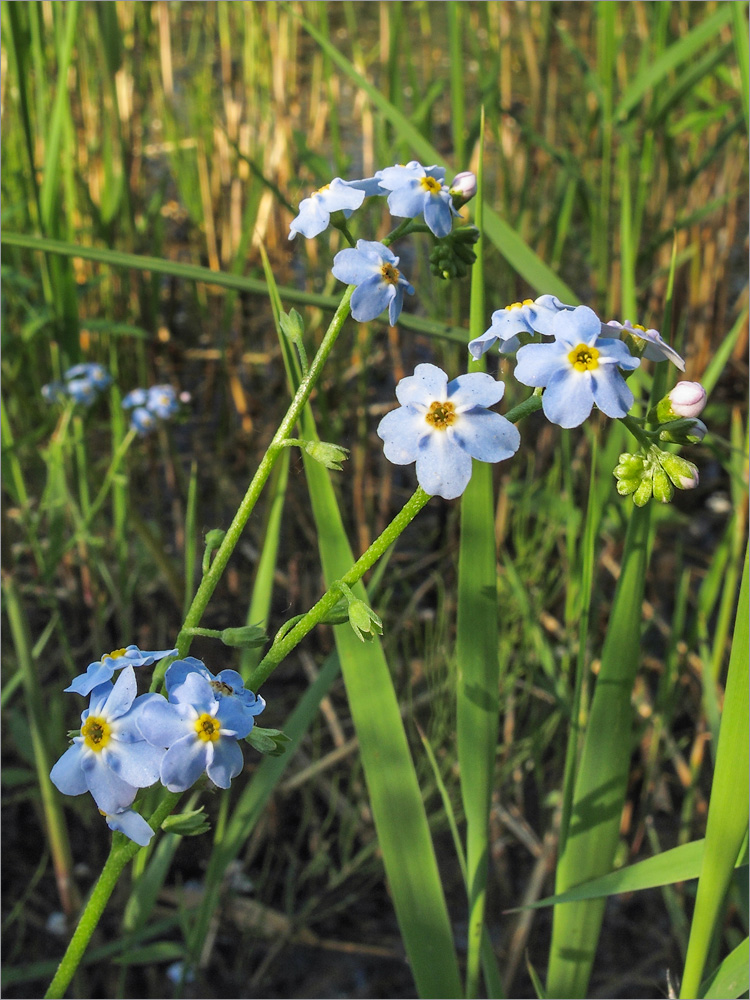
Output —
(247, 637)
(187, 824)
(271, 742)
(214, 538)
(329, 455)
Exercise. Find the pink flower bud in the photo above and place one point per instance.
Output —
(464, 186)
(688, 399)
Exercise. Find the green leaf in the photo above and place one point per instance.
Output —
(731, 979)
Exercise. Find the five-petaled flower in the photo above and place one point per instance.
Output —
(529, 316)
(578, 369)
(416, 190)
(338, 196)
(649, 342)
(380, 285)
(225, 684)
(110, 758)
(102, 670)
(442, 425)
(199, 729)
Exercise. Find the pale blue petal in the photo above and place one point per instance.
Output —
(352, 267)
(370, 186)
(233, 718)
(616, 352)
(376, 252)
(579, 326)
(486, 436)
(122, 696)
(340, 196)
(438, 214)
(397, 302)
(67, 775)
(538, 363)
(179, 670)
(401, 431)
(610, 391)
(227, 762)
(96, 673)
(162, 723)
(197, 692)
(136, 763)
(132, 824)
(568, 398)
(312, 220)
(394, 177)
(475, 389)
(443, 467)
(111, 793)
(184, 763)
(407, 201)
(370, 298)
(427, 384)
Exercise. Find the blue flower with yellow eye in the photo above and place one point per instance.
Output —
(578, 369)
(380, 285)
(199, 728)
(442, 425)
(102, 670)
(529, 316)
(110, 757)
(417, 190)
(314, 213)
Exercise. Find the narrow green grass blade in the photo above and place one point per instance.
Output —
(728, 807)
(731, 979)
(685, 48)
(191, 542)
(477, 640)
(602, 775)
(395, 797)
(193, 272)
(397, 807)
(675, 865)
(512, 247)
(742, 48)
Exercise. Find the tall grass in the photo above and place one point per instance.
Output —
(153, 153)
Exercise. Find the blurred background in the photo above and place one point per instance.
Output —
(616, 136)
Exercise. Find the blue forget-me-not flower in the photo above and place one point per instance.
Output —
(416, 190)
(578, 369)
(110, 757)
(338, 196)
(442, 425)
(529, 316)
(654, 347)
(148, 404)
(102, 670)
(199, 730)
(225, 684)
(81, 383)
(380, 285)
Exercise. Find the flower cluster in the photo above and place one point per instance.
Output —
(82, 383)
(129, 741)
(148, 405)
(412, 191)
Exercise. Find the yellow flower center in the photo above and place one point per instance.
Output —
(96, 733)
(584, 358)
(637, 326)
(220, 687)
(441, 415)
(322, 190)
(431, 185)
(114, 655)
(390, 274)
(207, 727)
(519, 305)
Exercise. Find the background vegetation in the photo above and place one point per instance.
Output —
(616, 134)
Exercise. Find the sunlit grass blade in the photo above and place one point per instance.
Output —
(727, 821)
(731, 979)
(678, 864)
(678, 52)
(477, 667)
(397, 806)
(602, 774)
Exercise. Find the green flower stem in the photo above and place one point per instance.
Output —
(641, 436)
(212, 577)
(123, 850)
(524, 409)
(281, 649)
